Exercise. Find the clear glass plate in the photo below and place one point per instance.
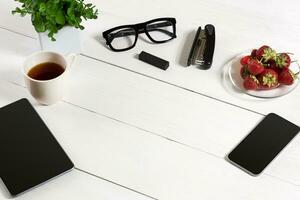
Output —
(236, 79)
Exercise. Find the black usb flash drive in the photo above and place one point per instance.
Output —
(153, 60)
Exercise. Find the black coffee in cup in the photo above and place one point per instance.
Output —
(45, 71)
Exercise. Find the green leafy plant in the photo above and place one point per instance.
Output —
(52, 15)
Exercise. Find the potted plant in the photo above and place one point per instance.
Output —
(58, 20)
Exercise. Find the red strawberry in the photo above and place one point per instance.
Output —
(244, 72)
(265, 54)
(272, 65)
(283, 60)
(255, 67)
(251, 83)
(253, 53)
(268, 79)
(287, 77)
(261, 51)
(244, 60)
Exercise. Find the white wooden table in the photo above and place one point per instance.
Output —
(137, 132)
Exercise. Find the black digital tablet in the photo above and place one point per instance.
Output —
(263, 144)
(29, 153)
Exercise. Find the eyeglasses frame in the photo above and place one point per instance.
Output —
(139, 28)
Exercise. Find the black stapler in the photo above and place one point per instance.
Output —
(203, 47)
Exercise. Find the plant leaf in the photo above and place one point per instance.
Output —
(60, 18)
(52, 15)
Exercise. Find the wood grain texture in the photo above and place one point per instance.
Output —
(167, 111)
(141, 161)
(165, 141)
(255, 26)
(160, 109)
(15, 23)
(76, 185)
(238, 28)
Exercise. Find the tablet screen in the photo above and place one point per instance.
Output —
(29, 153)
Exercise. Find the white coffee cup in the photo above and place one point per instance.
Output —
(50, 91)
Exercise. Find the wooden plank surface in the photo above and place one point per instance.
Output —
(233, 37)
(77, 186)
(165, 110)
(158, 108)
(15, 23)
(125, 124)
(144, 162)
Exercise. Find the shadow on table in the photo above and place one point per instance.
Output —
(4, 191)
(101, 40)
(12, 75)
(10, 94)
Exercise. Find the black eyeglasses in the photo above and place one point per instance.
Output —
(124, 37)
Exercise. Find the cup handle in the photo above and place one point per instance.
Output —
(70, 58)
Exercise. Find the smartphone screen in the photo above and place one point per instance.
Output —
(263, 144)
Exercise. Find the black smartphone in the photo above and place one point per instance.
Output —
(263, 144)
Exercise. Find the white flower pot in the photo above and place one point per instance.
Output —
(67, 41)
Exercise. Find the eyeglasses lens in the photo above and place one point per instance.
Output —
(122, 38)
(161, 30)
